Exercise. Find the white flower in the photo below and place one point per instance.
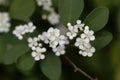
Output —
(88, 35)
(4, 27)
(44, 37)
(53, 33)
(79, 25)
(54, 38)
(4, 22)
(4, 17)
(46, 4)
(88, 51)
(38, 53)
(19, 31)
(60, 50)
(23, 29)
(59, 40)
(53, 18)
(53, 44)
(29, 28)
(80, 42)
(66, 40)
(40, 2)
(73, 30)
(33, 42)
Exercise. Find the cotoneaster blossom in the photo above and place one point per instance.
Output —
(21, 30)
(80, 25)
(59, 50)
(57, 42)
(83, 39)
(52, 16)
(88, 35)
(33, 42)
(4, 22)
(73, 30)
(38, 53)
(88, 51)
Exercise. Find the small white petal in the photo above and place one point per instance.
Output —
(78, 21)
(86, 40)
(81, 47)
(76, 44)
(92, 38)
(42, 56)
(34, 54)
(37, 58)
(33, 48)
(90, 54)
(80, 52)
(83, 35)
(84, 54)
(68, 24)
(92, 49)
(57, 54)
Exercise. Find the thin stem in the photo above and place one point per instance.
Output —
(77, 69)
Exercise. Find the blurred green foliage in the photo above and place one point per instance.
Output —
(105, 64)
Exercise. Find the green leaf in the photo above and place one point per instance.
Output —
(12, 40)
(70, 10)
(103, 38)
(97, 19)
(3, 47)
(14, 53)
(22, 9)
(51, 67)
(55, 3)
(25, 62)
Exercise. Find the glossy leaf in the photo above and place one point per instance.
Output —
(25, 62)
(14, 53)
(103, 38)
(3, 47)
(97, 19)
(70, 10)
(22, 9)
(51, 67)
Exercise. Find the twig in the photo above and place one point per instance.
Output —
(76, 69)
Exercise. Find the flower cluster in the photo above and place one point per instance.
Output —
(52, 17)
(37, 48)
(23, 29)
(56, 41)
(82, 41)
(4, 22)
(52, 37)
